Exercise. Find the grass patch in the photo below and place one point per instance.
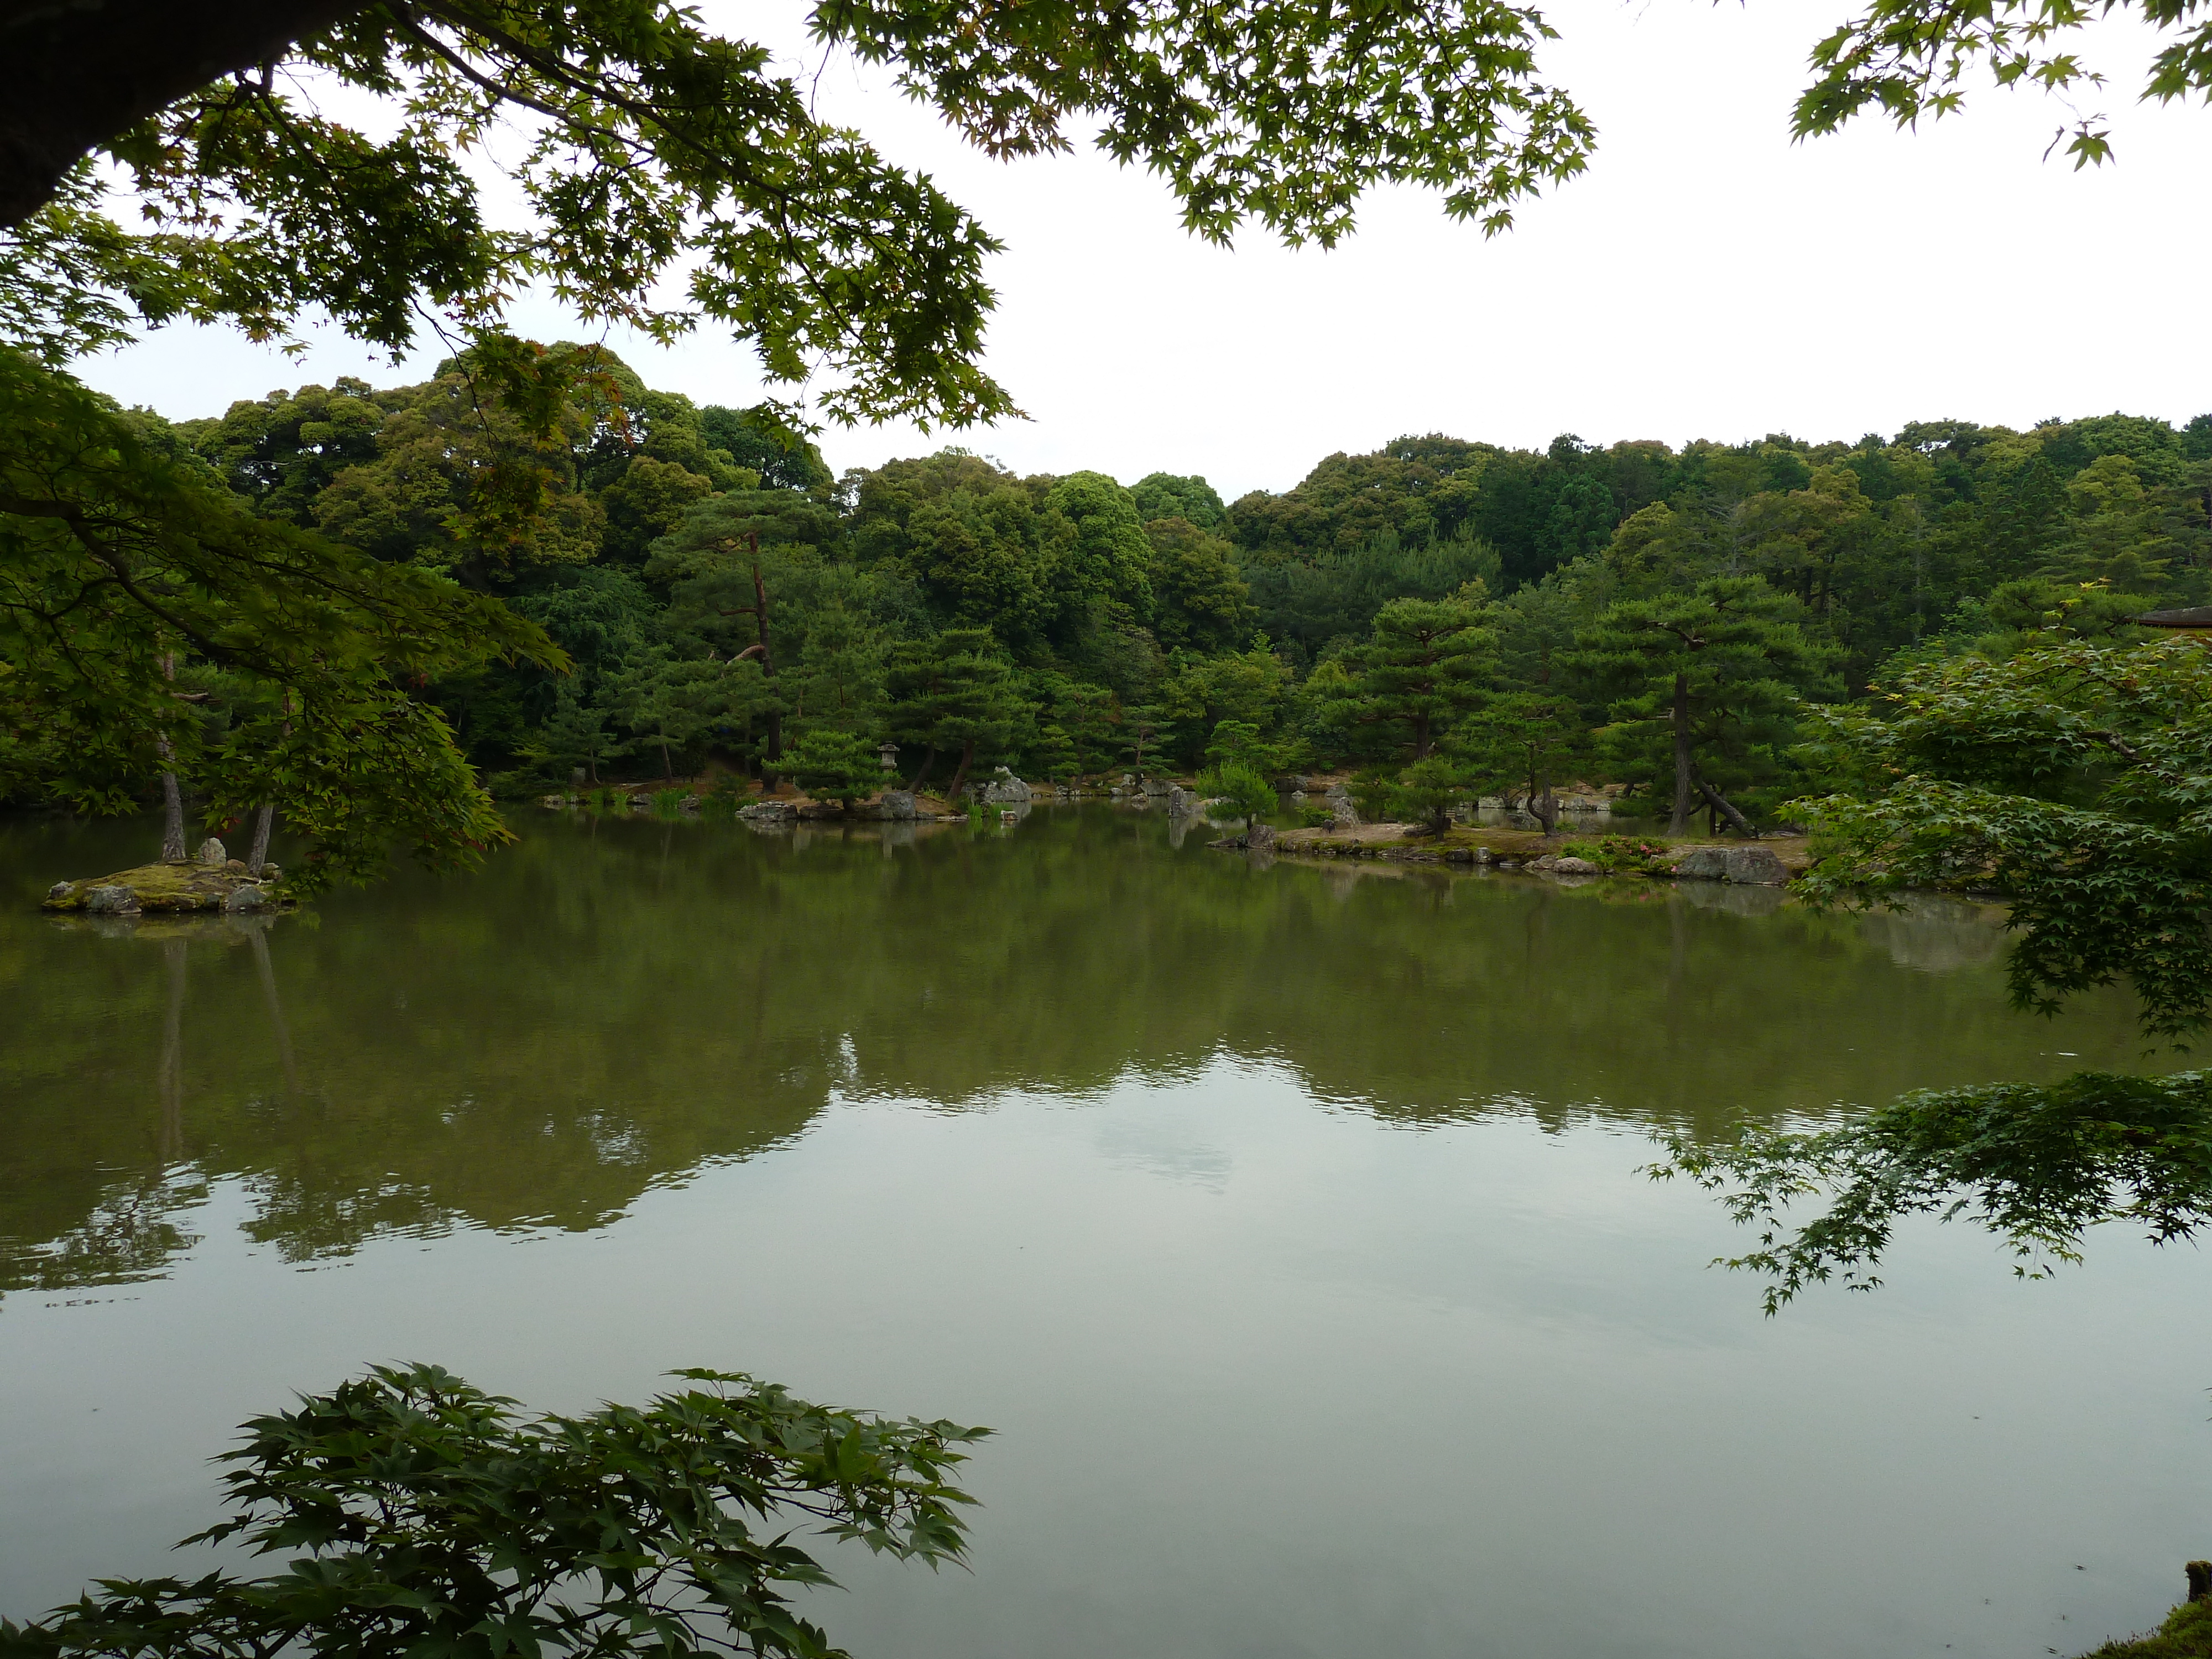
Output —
(2186, 1634)
(669, 803)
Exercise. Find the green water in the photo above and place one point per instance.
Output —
(1285, 1221)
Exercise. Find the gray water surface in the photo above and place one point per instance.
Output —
(1284, 1222)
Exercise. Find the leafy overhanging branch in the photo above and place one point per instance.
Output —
(116, 559)
(430, 1517)
(2037, 1165)
(2074, 781)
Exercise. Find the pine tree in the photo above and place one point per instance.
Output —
(1423, 667)
(952, 694)
(1716, 670)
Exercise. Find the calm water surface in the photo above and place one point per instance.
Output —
(1284, 1222)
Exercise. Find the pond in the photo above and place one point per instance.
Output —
(1286, 1222)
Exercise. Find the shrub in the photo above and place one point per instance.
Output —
(834, 766)
(1243, 793)
(1617, 853)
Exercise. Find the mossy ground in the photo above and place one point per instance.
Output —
(166, 888)
(2186, 1634)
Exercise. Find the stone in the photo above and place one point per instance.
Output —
(1575, 866)
(245, 901)
(766, 812)
(111, 902)
(1458, 855)
(211, 854)
(553, 800)
(1260, 838)
(1005, 789)
(1183, 803)
(898, 803)
(238, 865)
(271, 872)
(1158, 787)
(1341, 808)
(60, 889)
(1750, 866)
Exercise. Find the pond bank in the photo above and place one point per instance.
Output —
(1768, 862)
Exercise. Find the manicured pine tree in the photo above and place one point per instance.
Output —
(1424, 665)
(1523, 738)
(831, 765)
(1707, 669)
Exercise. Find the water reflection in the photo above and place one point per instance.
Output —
(611, 1006)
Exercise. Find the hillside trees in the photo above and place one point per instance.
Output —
(1200, 601)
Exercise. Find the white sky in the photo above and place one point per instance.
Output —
(1705, 278)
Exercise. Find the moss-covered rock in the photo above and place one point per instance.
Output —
(172, 889)
(2186, 1634)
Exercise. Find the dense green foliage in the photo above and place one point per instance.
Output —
(428, 1518)
(1507, 621)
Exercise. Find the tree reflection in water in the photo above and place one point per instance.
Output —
(611, 1005)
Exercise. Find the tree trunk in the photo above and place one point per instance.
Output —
(960, 772)
(1685, 791)
(1723, 809)
(1547, 806)
(257, 855)
(1420, 736)
(667, 771)
(172, 815)
(173, 796)
(927, 761)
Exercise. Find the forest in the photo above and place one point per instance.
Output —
(1442, 615)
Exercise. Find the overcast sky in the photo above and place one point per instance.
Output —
(1705, 278)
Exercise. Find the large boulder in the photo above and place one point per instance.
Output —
(768, 812)
(1184, 803)
(1750, 866)
(212, 854)
(897, 804)
(1005, 789)
(112, 901)
(244, 901)
(1575, 866)
(1260, 838)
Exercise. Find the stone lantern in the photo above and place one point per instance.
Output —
(888, 753)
